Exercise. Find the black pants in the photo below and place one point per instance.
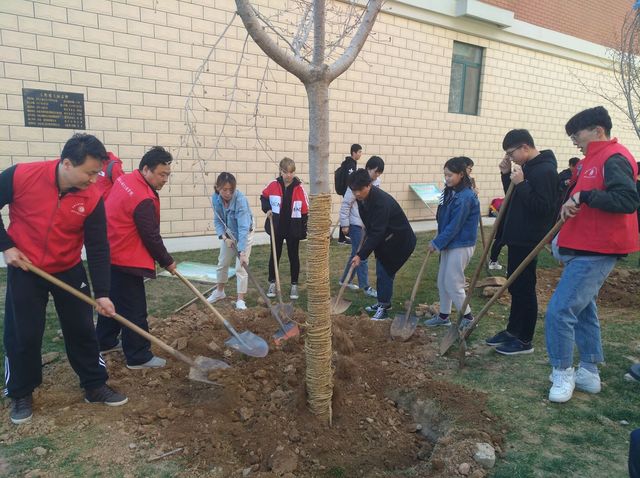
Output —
(634, 454)
(524, 303)
(129, 298)
(24, 323)
(496, 247)
(341, 236)
(293, 246)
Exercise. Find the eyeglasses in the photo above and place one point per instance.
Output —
(573, 137)
(510, 153)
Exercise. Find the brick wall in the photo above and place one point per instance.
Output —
(592, 20)
(135, 62)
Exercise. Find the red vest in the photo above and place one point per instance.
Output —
(47, 228)
(593, 229)
(111, 170)
(127, 248)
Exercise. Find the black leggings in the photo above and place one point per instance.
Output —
(293, 246)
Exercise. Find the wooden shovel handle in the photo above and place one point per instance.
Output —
(200, 296)
(485, 252)
(349, 274)
(276, 267)
(73, 291)
(417, 284)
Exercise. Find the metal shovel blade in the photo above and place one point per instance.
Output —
(339, 306)
(282, 310)
(286, 332)
(249, 344)
(452, 335)
(403, 327)
(204, 365)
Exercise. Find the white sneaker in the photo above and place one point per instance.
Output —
(240, 305)
(294, 291)
(588, 381)
(350, 285)
(216, 296)
(154, 362)
(272, 289)
(564, 381)
(495, 266)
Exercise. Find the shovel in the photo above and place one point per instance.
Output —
(288, 329)
(453, 334)
(339, 305)
(285, 310)
(199, 368)
(467, 330)
(404, 325)
(247, 342)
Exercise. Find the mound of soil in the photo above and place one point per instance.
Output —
(391, 413)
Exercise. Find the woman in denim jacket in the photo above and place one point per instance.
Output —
(457, 216)
(233, 221)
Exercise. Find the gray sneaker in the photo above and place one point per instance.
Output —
(154, 362)
(271, 292)
(371, 292)
(436, 320)
(105, 394)
(294, 291)
(116, 348)
(21, 409)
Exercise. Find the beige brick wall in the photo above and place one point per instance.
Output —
(135, 62)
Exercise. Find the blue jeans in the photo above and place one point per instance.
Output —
(572, 315)
(634, 454)
(362, 271)
(384, 284)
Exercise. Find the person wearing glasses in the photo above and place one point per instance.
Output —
(601, 226)
(530, 215)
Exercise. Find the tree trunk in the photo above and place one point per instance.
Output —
(319, 373)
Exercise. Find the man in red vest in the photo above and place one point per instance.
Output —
(133, 219)
(601, 227)
(54, 209)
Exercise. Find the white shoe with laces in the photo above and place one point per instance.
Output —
(241, 305)
(588, 381)
(216, 296)
(495, 266)
(564, 382)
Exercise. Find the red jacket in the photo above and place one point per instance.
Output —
(596, 230)
(127, 248)
(295, 205)
(111, 171)
(47, 227)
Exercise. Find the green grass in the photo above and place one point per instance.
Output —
(582, 438)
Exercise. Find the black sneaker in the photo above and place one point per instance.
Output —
(500, 338)
(106, 395)
(372, 309)
(21, 409)
(346, 242)
(381, 313)
(515, 347)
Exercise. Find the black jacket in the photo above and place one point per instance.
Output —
(388, 231)
(531, 211)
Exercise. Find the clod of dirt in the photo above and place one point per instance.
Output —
(49, 357)
(40, 451)
(260, 373)
(180, 343)
(345, 367)
(489, 291)
(213, 346)
(245, 413)
(493, 281)
(485, 455)
(283, 461)
(342, 342)
(464, 469)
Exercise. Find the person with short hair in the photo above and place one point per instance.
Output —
(133, 219)
(389, 235)
(55, 209)
(351, 225)
(351, 164)
(287, 201)
(233, 222)
(601, 226)
(529, 216)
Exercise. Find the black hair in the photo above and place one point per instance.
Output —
(459, 165)
(517, 137)
(589, 119)
(153, 157)
(376, 163)
(573, 161)
(81, 145)
(225, 178)
(359, 179)
(355, 148)
(469, 161)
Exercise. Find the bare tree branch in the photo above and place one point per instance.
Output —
(357, 42)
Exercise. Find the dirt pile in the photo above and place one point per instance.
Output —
(389, 412)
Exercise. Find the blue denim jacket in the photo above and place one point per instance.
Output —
(237, 217)
(458, 220)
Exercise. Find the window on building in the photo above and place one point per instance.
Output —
(464, 89)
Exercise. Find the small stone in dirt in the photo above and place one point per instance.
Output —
(289, 369)
(485, 455)
(294, 436)
(132, 446)
(384, 363)
(246, 472)
(245, 413)
(624, 422)
(283, 461)
(165, 375)
(278, 395)
(464, 469)
(369, 420)
(262, 373)
(40, 451)
(213, 346)
(49, 357)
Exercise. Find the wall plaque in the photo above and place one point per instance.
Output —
(53, 109)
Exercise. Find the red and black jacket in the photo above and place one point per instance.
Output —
(50, 226)
(290, 207)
